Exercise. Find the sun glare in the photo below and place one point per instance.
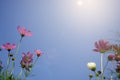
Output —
(79, 3)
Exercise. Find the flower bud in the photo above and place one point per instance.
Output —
(111, 57)
(38, 52)
(90, 76)
(11, 55)
(118, 69)
(99, 72)
(0, 49)
(117, 57)
(91, 66)
(13, 59)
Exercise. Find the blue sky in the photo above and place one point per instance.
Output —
(63, 30)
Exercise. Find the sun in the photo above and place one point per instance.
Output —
(79, 3)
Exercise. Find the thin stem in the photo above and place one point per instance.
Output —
(1, 77)
(6, 74)
(101, 65)
(24, 77)
(105, 66)
(19, 75)
(8, 61)
(34, 63)
(18, 46)
(25, 74)
(11, 71)
(35, 60)
(101, 62)
(111, 77)
(96, 76)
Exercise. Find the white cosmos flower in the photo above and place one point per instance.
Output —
(91, 66)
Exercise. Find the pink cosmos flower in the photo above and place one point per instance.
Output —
(26, 61)
(8, 46)
(38, 52)
(102, 46)
(23, 31)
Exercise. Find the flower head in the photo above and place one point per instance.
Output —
(102, 46)
(90, 76)
(118, 69)
(116, 48)
(0, 49)
(38, 52)
(23, 31)
(26, 61)
(8, 46)
(111, 57)
(91, 66)
(117, 57)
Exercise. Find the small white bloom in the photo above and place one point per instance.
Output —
(91, 66)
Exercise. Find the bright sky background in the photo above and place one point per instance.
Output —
(65, 30)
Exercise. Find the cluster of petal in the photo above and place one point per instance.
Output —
(8, 46)
(23, 31)
(111, 57)
(102, 46)
(38, 52)
(116, 48)
(91, 66)
(26, 61)
(118, 69)
(117, 57)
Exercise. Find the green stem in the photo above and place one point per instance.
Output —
(34, 63)
(19, 75)
(101, 62)
(35, 60)
(96, 76)
(18, 46)
(6, 75)
(8, 61)
(11, 71)
(101, 65)
(1, 77)
(25, 75)
(105, 66)
(111, 77)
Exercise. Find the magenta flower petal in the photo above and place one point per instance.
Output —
(38, 52)
(23, 31)
(8, 46)
(26, 60)
(28, 33)
(111, 57)
(102, 46)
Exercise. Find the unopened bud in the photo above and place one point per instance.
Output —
(90, 76)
